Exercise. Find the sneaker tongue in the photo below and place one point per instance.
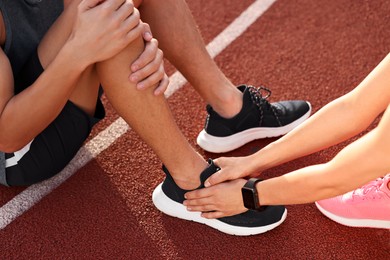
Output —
(247, 95)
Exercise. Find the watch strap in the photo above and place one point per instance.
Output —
(250, 195)
(251, 183)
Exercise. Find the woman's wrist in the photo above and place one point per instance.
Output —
(264, 159)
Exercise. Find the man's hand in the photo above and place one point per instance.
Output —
(218, 201)
(148, 70)
(103, 28)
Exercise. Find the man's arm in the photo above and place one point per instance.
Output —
(25, 115)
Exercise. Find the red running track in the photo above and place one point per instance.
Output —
(313, 50)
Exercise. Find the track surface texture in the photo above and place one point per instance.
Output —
(300, 49)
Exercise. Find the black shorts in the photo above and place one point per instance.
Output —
(52, 149)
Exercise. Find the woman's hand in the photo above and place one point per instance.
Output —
(218, 201)
(232, 168)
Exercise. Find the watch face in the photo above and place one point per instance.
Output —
(249, 201)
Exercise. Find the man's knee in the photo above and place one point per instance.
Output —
(137, 3)
(69, 2)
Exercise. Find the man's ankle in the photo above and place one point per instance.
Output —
(188, 184)
(188, 178)
(228, 104)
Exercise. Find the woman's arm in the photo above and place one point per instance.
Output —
(334, 123)
(358, 163)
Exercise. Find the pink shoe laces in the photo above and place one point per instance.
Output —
(373, 190)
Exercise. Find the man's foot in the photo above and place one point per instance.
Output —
(257, 119)
(168, 198)
(368, 206)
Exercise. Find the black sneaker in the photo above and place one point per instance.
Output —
(257, 119)
(168, 198)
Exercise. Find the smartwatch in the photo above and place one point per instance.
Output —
(250, 196)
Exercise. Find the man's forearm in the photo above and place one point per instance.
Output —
(29, 112)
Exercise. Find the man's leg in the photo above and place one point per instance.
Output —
(236, 115)
(150, 117)
(147, 114)
(172, 24)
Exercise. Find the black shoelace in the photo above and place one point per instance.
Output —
(260, 100)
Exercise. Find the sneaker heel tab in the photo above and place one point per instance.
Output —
(210, 170)
(213, 165)
(166, 171)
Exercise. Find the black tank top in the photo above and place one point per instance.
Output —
(26, 22)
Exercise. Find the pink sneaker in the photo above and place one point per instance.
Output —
(368, 206)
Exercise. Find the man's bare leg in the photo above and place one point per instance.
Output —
(150, 117)
(147, 114)
(172, 24)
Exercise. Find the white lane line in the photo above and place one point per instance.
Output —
(33, 194)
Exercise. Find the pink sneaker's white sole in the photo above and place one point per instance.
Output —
(216, 144)
(371, 223)
(178, 210)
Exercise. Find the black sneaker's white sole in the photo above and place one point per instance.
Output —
(215, 144)
(371, 223)
(178, 210)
